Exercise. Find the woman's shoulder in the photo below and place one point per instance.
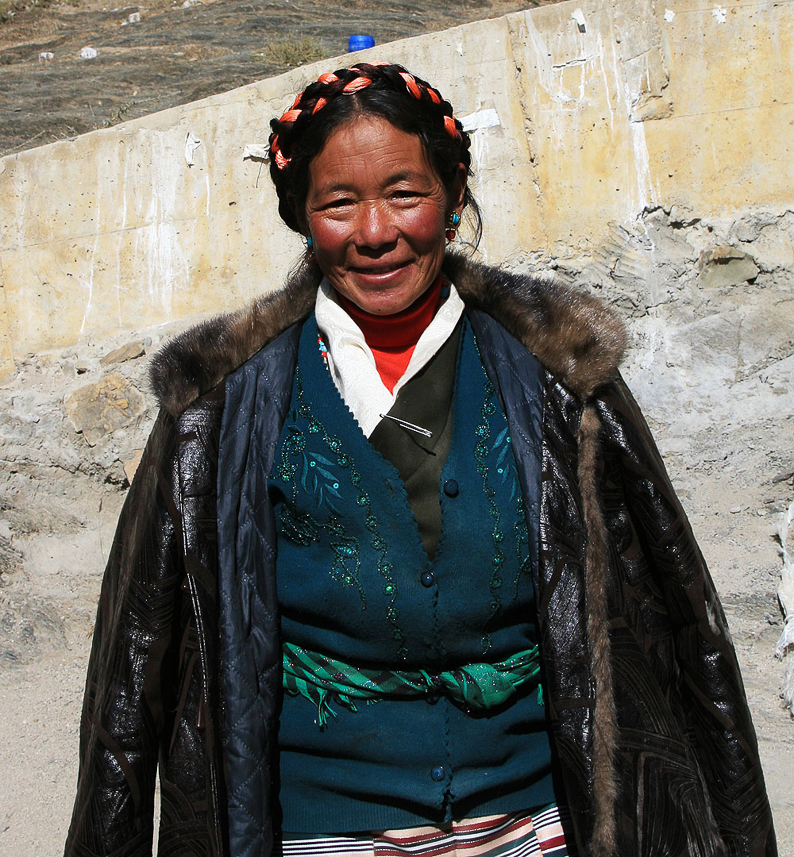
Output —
(197, 360)
(575, 336)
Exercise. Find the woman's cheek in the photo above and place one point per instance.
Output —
(330, 236)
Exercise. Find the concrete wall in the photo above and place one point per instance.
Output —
(687, 107)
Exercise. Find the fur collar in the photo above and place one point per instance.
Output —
(575, 336)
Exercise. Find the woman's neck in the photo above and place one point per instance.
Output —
(401, 330)
(392, 338)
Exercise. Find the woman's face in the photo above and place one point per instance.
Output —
(377, 213)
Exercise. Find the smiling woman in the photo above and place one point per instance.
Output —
(401, 571)
(377, 213)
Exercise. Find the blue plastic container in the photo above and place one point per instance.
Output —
(360, 43)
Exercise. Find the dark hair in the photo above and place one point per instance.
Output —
(379, 89)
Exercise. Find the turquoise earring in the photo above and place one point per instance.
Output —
(454, 223)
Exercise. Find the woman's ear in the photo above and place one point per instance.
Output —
(300, 215)
(458, 189)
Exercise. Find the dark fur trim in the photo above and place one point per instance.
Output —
(200, 358)
(605, 737)
(572, 333)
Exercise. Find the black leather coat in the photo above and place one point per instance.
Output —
(650, 723)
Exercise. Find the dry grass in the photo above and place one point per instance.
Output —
(9, 8)
(293, 51)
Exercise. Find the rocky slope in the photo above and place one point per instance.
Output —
(166, 53)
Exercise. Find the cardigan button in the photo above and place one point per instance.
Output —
(427, 578)
(451, 488)
(437, 774)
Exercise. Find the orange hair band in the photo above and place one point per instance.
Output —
(290, 116)
(413, 88)
(356, 84)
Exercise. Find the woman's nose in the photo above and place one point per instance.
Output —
(374, 225)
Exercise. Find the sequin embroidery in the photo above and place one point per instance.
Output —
(503, 471)
(316, 475)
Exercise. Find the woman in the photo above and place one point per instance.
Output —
(401, 554)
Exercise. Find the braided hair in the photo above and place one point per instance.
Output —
(378, 89)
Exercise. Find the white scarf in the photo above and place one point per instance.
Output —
(352, 364)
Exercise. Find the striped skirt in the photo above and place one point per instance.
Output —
(515, 835)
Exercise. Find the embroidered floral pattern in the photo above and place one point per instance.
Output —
(504, 472)
(302, 530)
(481, 450)
(508, 477)
(316, 474)
(521, 531)
(323, 348)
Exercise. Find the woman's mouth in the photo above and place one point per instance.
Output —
(378, 270)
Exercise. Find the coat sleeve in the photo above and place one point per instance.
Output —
(681, 623)
(125, 704)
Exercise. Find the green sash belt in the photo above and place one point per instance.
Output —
(476, 687)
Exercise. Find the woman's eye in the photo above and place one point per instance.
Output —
(336, 204)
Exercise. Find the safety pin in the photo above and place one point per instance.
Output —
(406, 425)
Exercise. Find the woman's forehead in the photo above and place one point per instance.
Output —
(370, 146)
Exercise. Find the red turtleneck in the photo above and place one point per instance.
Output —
(392, 338)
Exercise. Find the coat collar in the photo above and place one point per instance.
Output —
(573, 334)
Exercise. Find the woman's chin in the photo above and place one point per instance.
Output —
(384, 293)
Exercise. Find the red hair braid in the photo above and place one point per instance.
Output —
(353, 80)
